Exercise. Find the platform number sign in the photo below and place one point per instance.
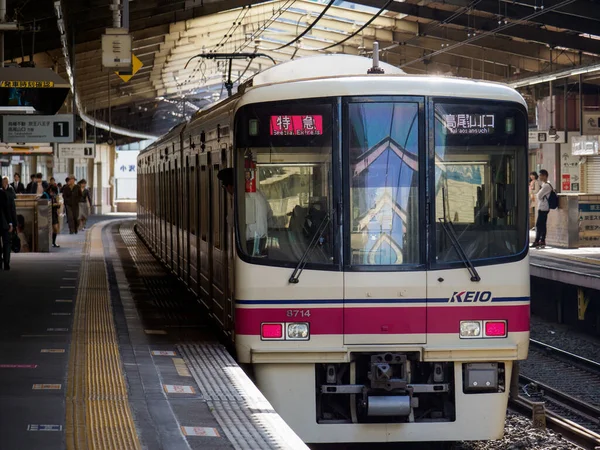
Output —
(61, 129)
(58, 128)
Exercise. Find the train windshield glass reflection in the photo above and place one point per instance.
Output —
(480, 176)
(284, 178)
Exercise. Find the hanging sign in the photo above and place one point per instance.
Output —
(544, 137)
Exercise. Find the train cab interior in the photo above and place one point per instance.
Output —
(477, 181)
(292, 189)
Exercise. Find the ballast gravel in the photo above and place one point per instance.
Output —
(565, 338)
(520, 435)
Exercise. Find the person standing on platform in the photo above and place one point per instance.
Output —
(12, 209)
(17, 185)
(66, 195)
(84, 204)
(38, 187)
(72, 196)
(53, 192)
(6, 228)
(534, 188)
(543, 208)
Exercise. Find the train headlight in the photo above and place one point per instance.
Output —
(298, 331)
(470, 329)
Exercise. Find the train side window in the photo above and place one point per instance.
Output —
(384, 183)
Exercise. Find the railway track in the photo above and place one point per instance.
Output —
(566, 413)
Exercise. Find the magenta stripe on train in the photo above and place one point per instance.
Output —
(383, 320)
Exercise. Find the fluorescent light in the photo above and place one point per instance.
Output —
(545, 78)
(579, 72)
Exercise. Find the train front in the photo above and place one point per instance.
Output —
(382, 278)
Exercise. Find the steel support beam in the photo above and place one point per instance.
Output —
(552, 38)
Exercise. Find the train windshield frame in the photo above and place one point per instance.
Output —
(344, 183)
(478, 181)
(285, 172)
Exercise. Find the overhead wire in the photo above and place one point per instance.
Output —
(310, 27)
(491, 32)
(369, 22)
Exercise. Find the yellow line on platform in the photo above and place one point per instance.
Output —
(98, 413)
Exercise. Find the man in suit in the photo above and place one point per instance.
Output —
(12, 210)
(72, 196)
(6, 228)
(17, 185)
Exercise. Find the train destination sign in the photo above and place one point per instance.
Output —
(470, 123)
(297, 125)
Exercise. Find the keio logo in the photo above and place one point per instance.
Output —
(471, 297)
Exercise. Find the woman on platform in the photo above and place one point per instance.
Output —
(84, 204)
(534, 187)
(53, 193)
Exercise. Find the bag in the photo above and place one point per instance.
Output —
(552, 199)
(15, 243)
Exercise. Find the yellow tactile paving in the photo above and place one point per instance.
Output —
(98, 412)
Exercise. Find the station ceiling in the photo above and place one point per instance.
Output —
(495, 40)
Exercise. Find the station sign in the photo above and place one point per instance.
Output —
(25, 90)
(591, 123)
(585, 145)
(79, 150)
(546, 137)
(37, 128)
(589, 224)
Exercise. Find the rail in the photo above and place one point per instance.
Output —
(584, 363)
(570, 430)
(561, 405)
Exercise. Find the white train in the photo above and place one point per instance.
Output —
(372, 264)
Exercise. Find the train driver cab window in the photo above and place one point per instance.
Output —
(284, 184)
(384, 183)
(480, 169)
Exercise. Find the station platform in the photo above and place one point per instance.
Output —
(103, 349)
(578, 267)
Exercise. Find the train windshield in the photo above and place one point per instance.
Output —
(480, 169)
(383, 144)
(284, 155)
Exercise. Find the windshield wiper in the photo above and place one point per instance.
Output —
(448, 227)
(316, 238)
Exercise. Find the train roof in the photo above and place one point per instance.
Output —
(346, 75)
(320, 66)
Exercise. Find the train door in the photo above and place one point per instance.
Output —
(177, 222)
(171, 217)
(189, 208)
(219, 255)
(205, 250)
(163, 213)
(385, 281)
